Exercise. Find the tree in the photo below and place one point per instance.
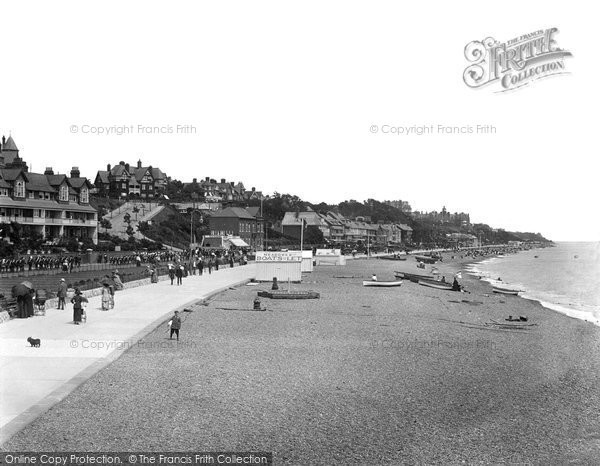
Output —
(136, 209)
(313, 235)
(130, 232)
(127, 218)
(105, 223)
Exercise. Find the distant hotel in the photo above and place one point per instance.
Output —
(53, 205)
(124, 180)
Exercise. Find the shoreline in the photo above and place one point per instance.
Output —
(577, 314)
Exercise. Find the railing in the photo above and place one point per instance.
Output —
(46, 220)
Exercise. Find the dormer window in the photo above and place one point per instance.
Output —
(63, 194)
(84, 196)
(19, 188)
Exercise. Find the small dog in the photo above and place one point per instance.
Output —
(35, 342)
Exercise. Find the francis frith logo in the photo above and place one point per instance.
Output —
(516, 62)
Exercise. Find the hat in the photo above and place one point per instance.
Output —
(62, 279)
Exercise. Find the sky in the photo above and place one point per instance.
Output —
(284, 96)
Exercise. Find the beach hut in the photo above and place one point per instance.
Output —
(307, 261)
(283, 265)
(330, 257)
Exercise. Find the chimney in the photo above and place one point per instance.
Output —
(139, 163)
(223, 180)
(195, 181)
(121, 163)
(232, 184)
(253, 189)
(127, 166)
(49, 171)
(207, 179)
(108, 167)
(75, 172)
(3, 140)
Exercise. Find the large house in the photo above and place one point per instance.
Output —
(124, 180)
(236, 221)
(53, 205)
(212, 190)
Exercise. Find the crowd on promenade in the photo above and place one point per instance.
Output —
(40, 262)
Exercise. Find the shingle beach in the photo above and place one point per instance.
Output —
(362, 375)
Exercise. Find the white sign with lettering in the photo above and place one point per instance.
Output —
(279, 256)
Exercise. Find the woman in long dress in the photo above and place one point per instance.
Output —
(77, 302)
(106, 297)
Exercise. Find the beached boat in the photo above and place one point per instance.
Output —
(436, 284)
(289, 294)
(413, 277)
(378, 283)
(426, 259)
(501, 290)
(394, 258)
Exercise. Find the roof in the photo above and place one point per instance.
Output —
(4, 184)
(43, 204)
(38, 182)
(57, 180)
(240, 243)
(229, 212)
(158, 174)
(139, 173)
(103, 175)
(404, 227)
(11, 174)
(254, 211)
(78, 183)
(9, 144)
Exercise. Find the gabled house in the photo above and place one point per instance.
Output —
(124, 180)
(53, 206)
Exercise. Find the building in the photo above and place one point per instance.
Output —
(124, 180)
(56, 206)
(292, 223)
(236, 221)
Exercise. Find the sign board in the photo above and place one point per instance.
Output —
(279, 256)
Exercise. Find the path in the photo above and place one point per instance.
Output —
(34, 379)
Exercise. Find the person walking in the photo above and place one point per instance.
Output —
(77, 302)
(231, 260)
(171, 273)
(210, 265)
(200, 265)
(106, 297)
(179, 274)
(175, 325)
(61, 294)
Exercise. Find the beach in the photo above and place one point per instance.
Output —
(361, 375)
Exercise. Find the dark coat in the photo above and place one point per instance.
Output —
(176, 322)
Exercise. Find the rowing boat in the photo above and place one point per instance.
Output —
(426, 259)
(289, 294)
(394, 258)
(378, 283)
(413, 277)
(510, 291)
(436, 284)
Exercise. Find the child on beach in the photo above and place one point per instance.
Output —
(175, 325)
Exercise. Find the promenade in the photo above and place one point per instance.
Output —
(32, 380)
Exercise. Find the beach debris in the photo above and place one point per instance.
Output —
(517, 319)
(187, 310)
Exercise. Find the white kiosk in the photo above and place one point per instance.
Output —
(330, 257)
(283, 265)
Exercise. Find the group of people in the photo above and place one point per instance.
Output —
(40, 262)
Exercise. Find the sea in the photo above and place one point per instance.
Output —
(565, 278)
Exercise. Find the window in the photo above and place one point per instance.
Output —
(31, 195)
(63, 193)
(19, 189)
(84, 196)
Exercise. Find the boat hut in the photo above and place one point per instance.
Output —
(283, 265)
(330, 257)
(307, 261)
